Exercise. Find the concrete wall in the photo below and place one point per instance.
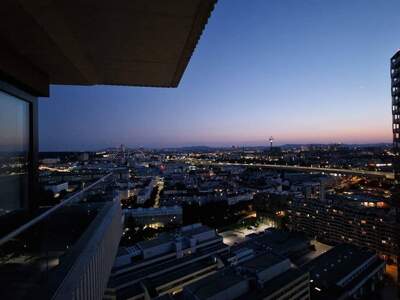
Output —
(204, 235)
(273, 271)
(88, 277)
(158, 250)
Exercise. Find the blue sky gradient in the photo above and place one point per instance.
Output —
(309, 71)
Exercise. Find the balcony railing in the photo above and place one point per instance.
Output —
(36, 258)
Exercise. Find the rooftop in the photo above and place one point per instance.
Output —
(279, 241)
(262, 262)
(161, 239)
(213, 284)
(329, 268)
(275, 284)
(195, 230)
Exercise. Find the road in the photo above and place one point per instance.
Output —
(388, 175)
(160, 185)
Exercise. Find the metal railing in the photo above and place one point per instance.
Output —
(36, 257)
(41, 217)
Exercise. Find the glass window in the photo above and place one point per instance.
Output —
(14, 153)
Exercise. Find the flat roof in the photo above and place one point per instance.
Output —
(171, 237)
(262, 262)
(136, 289)
(182, 271)
(146, 271)
(136, 43)
(280, 241)
(275, 284)
(163, 238)
(196, 230)
(330, 267)
(215, 283)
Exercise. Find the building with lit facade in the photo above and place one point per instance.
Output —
(395, 76)
(337, 221)
(155, 216)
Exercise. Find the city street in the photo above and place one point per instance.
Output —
(160, 185)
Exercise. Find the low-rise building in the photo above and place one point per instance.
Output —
(239, 197)
(283, 243)
(56, 187)
(338, 221)
(266, 276)
(165, 215)
(345, 272)
(166, 264)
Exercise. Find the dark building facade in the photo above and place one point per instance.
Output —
(395, 90)
(345, 272)
(395, 76)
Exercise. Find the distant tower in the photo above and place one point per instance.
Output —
(271, 140)
(122, 148)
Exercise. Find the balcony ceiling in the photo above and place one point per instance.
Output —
(87, 42)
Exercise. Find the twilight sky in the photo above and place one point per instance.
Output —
(310, 71)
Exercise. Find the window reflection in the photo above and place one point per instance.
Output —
(14, 150)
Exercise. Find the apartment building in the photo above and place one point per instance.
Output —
(345, 272)
(339, 221)
(164, 215)
(395, 77)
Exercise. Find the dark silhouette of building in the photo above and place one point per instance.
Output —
(395, 76)
(395, 86)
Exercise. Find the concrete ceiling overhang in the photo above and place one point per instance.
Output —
(87, 42)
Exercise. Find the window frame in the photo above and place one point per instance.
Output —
(33, 141)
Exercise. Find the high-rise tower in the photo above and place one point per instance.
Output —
(395, 75)
(271, 140)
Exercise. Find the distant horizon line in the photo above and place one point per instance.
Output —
(218, 147)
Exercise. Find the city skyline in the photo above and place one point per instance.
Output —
(310, 72)
(200, 149)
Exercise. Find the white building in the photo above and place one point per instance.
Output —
(57, 187)
(161, 215)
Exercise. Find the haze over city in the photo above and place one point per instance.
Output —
(302, 71)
